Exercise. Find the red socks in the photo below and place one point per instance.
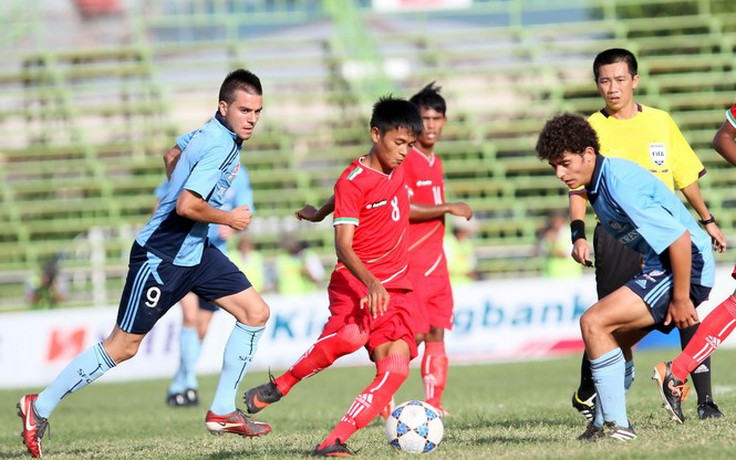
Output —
(714, 329)
(391, 372)
(434, 372)
(322, 354)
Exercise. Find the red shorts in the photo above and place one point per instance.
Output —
(395, 324)
(432, 297)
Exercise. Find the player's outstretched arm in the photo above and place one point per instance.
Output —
(171, 157)
(420, 212)
(193, 207)
(312, 214)
(724, 144)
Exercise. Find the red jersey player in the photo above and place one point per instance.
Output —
(369, 305)
(428, 268)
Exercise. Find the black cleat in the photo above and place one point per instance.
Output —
(339, 449)
(708, 409)
(671, 389)
(585, 407)
(258, 398)
(592, 433)
(619, 433)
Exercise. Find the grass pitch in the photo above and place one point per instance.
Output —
(505, 411)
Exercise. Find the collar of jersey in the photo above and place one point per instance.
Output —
(592, 189)
(221, 120)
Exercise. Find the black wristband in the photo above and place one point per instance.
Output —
(577, 230)
(710, 220)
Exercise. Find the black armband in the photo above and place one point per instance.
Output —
(710, 220)
(577, 230)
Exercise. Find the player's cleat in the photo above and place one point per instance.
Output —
(708, 409)
(235, 422)
(386, 411)
(585, 406)
(619, 433)
(192, 397)
(258, 398)
(671, 389)
(186, 398)
(592, 433)
(339, 449)
(34, 426)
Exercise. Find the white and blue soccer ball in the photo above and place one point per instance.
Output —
(415, 426)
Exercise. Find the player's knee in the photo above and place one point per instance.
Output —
(589, 324)
(353, 335)
(258, 314)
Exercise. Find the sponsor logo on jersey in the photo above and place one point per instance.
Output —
(658, 153)
(377, 204)
(629, 237)
(424, 183)
(615, 225)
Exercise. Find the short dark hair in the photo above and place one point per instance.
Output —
(390, 113)
(566, 133)
(239, 79)
(430, 98)
(613, 55)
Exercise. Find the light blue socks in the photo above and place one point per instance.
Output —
(239, 351)
(189, 349)
(87, 367)
(609, 376)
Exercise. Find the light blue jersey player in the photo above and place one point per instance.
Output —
(677, 275)
(197, 313)
(171, 257)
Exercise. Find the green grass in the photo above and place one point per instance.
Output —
(505, 411)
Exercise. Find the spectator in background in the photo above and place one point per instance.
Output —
(250, 261)
(47, 288)
(460, 252)
(553, 243)
(298, 269)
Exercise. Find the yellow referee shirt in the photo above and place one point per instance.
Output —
(651, 139)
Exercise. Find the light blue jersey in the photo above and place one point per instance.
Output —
(240, 193)
(207, 167)
(642, 213)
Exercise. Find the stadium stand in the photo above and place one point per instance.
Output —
(85, 121)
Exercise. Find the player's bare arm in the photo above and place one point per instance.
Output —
(171, 157)
(723, 142)
(312, 214)
(693, 196)
(377, 298)
(192, 206)
(420, 212)
(682, 311)
(580, 248)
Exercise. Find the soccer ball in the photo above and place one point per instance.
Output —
(415, 426)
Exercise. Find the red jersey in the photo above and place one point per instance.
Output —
(426, 182)
(731, 115)
(378, 205)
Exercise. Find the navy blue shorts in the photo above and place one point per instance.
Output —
(655, 288)
(153, 285)
(204, 305)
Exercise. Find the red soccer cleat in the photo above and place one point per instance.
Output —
(235, 422)
(34, 426)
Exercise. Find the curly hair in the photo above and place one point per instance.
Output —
(566, 133)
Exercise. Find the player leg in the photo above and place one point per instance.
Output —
(338, 338)
(615, 264)
(190, 345)
(391, 346)
(671, 377)
(146, 297)
(701, 376)
(623, 310)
